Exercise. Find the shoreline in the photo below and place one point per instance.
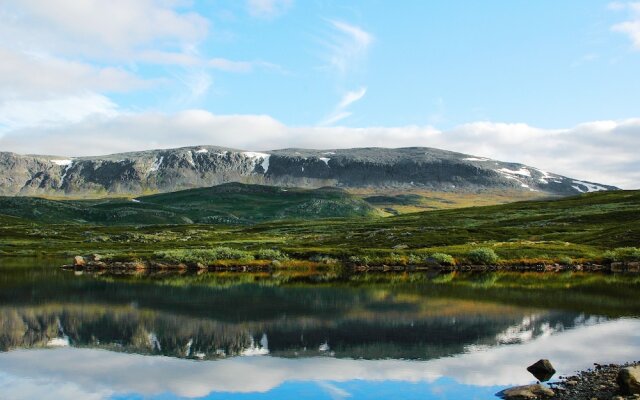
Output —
(599, 382)
(95, 263)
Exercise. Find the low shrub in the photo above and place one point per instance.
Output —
(204, 256)
(395, 259)
(566, 260)
(324, 259)
(483, 255)
(443, 259)
(622, 254)
(360, 260)
(271, 254)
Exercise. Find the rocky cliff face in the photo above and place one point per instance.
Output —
(189, 167)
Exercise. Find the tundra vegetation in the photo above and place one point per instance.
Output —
(592, 228)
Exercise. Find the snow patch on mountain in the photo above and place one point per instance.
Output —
(259, 156)
(156, 165)
(590, 187)
(62, 162)
(325, 160)
(522, 171)
(475, 159)
(66, 171)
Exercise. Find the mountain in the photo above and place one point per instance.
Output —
(201, 166)
(230, 203)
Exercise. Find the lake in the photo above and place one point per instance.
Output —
(319, 335)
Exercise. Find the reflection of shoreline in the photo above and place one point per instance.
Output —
(410, 334)
(97, 371)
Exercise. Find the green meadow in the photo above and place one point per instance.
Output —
(321, 227)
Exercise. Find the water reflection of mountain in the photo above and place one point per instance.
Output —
(147, 332)
(205, 317)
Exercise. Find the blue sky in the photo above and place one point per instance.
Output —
(545, 63)
(548, 83)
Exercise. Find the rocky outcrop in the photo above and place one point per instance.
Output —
(200, 166)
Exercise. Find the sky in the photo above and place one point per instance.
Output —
(550, 84)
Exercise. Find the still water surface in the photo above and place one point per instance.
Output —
(232, 336)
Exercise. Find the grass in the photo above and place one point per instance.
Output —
(592, 227)
(228, 204)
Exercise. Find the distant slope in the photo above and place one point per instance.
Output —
(579, 228)
(231, 203)
(203, 166)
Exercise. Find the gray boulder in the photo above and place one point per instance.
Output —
(527, 392)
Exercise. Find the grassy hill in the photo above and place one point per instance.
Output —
(231, 203)
(565, 230)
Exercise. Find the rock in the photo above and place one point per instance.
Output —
(204, 166)
(79, 261)
(629, 380)
(617, 267)
(542, 370)
(96, 257)
(400, 246)
(526, 392)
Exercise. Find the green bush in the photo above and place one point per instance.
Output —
(395, 259)
(360, 260)
(271, 254)
(622, 254)
(566, 260)
(483, 255)
(204, 256)
(443, 259)
(324, 259)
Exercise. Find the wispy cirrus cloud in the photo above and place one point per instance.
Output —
(346, 45)
(268, 8)
(341, 111)
(631, 27)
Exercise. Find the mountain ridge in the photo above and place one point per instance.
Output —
(166, 170)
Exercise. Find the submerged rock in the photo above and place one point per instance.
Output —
(526, 392)
(542, 370)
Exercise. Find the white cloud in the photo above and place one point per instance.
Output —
(631, 27)
(268, 8)
(71, 371)
(99, 29)
(340, 112)
(197, 84)
(19, 114)
(37, 76)
(351, 97)
(347, 45)
(600, 151)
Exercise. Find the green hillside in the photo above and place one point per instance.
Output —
(577, 229)
(231, 203)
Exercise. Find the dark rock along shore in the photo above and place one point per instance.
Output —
(597, 383)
